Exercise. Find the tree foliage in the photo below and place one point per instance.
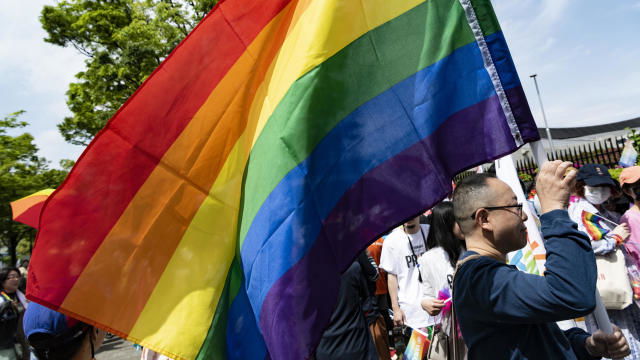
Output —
(22, 172)
(124, 41)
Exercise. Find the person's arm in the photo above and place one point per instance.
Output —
(607, 243)
(428, 289)
(369, 267)
(429, 302)
(389, 262)
(603, 246)
(370, 272)
(611, 239)
(398, 315)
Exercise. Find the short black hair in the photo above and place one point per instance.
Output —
(469, 194)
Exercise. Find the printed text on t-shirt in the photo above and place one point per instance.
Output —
(411, 260)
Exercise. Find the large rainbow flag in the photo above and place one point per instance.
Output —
(213, 215)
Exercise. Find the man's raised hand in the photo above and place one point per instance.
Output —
(554, 184)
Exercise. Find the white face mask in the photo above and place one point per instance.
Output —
(597, 195)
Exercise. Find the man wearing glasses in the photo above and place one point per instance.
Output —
(507, 314)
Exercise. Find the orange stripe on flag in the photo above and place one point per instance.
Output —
(123, 155)
(22, 205)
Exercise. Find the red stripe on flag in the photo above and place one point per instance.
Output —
(116, 164)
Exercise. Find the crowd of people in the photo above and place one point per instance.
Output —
(502, 312)
(448, 270)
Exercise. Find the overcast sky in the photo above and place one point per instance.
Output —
(586, 54)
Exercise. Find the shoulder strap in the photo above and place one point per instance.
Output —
(459, 265)
(458, 349)
(468, 258)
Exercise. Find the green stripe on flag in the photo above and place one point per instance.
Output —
(325, 95)
(486, 16)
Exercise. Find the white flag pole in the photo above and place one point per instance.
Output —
(600, 313)
(539, 155)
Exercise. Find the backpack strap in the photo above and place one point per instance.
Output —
(458, 266)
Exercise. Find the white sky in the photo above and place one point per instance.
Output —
(586, 54)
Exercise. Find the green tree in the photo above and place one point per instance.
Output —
(22, 172)
(634, 136)
(124, 41)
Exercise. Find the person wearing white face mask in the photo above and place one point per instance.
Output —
(597, 194)
(594, 186)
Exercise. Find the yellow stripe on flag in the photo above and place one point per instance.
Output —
(318, 32)
(209, 231)
(190, 287)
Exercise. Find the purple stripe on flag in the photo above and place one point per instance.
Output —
(517, 100)
(299, 305)
(522, 113)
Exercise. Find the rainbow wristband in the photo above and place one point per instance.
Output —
(619, 240)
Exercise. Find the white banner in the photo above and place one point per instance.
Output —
(531, 258)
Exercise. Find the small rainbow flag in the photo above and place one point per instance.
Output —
(213, 215)
(418, 345)
(592, 223)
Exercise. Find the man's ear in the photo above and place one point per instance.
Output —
(482, 220)
(94, 333)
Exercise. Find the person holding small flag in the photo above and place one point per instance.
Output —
(607, 233)
(446, 243)
(594, 186)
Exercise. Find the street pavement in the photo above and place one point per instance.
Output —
(115, 348)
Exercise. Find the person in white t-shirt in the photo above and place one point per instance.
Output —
(399, 259)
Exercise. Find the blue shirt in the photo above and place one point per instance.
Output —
(508, 314)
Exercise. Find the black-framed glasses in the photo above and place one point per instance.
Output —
(518, 208)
